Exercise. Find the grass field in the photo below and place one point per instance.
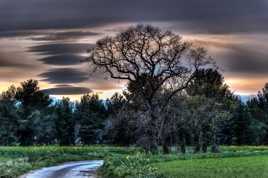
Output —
(232, 162)
(240, 167)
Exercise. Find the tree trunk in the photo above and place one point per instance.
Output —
(204, 148)
(215, 147)
(164, 141)
(199, 143)
(151, 132)
(162, 135)
(183, 145)
(197, 148)
(165, 148)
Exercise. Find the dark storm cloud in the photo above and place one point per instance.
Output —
(7, 60)
(64, 76)
(48, 35)
(17, 33)
(206, 15)
(64, 59)
(60, 48)
(69, 35)
(67, 90)
(7, 63)
(245, 61)
(240, 55)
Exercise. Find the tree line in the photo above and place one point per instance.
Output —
(30, 117)
(206, 114)
(175, 96)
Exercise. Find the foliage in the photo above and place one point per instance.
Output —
(30, 96)
(137, 165)
(90, 114)
(31, 101)
(8, 123)
(64, 122)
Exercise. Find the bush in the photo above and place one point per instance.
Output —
(12, 168)
(130, 166)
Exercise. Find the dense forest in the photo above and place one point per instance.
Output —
(30, 117)
(168, 102)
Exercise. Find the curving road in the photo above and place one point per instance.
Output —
(82, 169)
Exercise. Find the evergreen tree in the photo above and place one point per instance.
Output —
(91, 114)
(8, 118)
(208, 95)
(258, 110)
(30, 99)
(64, 122)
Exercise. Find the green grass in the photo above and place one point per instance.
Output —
(239, 167)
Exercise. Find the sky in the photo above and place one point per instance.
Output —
(47, 40)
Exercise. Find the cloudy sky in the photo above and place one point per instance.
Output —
(47, 40)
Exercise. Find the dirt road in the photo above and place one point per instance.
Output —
(82, 169)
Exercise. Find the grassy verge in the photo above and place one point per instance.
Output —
(15, 161)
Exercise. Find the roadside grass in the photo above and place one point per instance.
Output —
(15, 161)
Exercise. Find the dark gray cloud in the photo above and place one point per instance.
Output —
(69, 35)
(206, 15)
(17, 33)
(244, 60)
(67, 90)
(13, 64)
(64, 59)
(239, 54)
(60, 48)
(12, 61)
(39, 35)
(64, 76)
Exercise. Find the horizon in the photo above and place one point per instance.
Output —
(48, 40)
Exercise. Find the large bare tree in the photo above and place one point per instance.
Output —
(152, 61)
